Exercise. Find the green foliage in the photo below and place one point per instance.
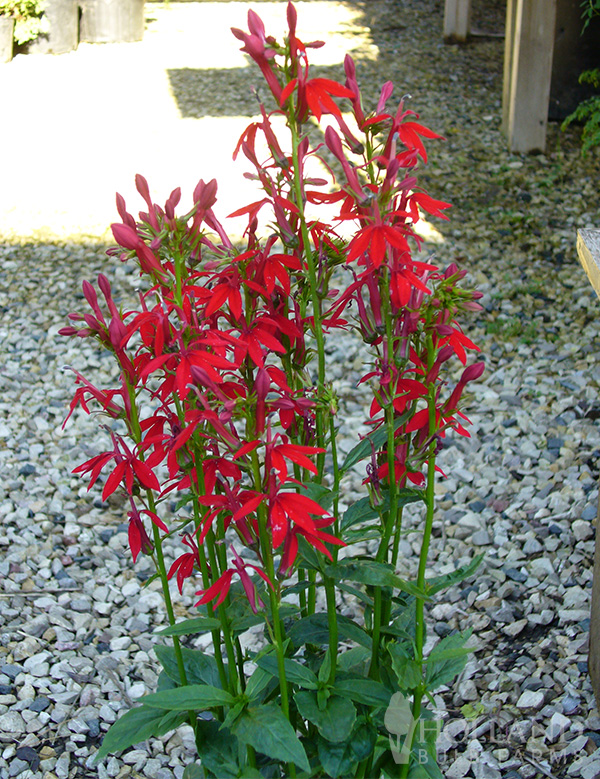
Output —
(588, 111)
(27, 14)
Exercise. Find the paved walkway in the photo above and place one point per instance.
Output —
(76, 128)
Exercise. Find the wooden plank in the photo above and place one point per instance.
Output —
(531, 72)
(509, 45)
(457, 17)
(588, 249)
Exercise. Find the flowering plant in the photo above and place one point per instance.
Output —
(223, 401)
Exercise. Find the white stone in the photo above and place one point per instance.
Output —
(531, 699)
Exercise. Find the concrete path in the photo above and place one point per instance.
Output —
(76, 128)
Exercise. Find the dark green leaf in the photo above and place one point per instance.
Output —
(407, 670)
(192, 697)
(375, 440)
(334, 722)
(463, 572)
(310, 558)
(315, 630)
(194, 771)
(268, 731)
(446, 660)
(319, 493)
(360, 511)
(362, 740)
(365, 691)
(295, 672)
(325, 669)
(137, 725)
(217, 749)
(200, 668)
(257, 683)
(336, 759)
(353, 658)
(165, 682)
(190, 627)
(371, 572)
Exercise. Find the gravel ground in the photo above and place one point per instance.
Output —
(76, 642)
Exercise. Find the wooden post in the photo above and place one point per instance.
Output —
(529, 62)
(457, 15)
(588, 249)
(509, 42)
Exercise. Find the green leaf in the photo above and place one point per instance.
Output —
(407, 670)
(334, 722)
(191, 627)
(194, 771)
(363, 739)
(315, 630)
(217, 749)
(165, 682)
(319, 493)
(371, 572)
(375, 440)
(200, 668)
(447, 580)
(257, 683)
(137, 725)
(354, 657)
(360, 511)
(269, 732)
(192, 697)
(336, 759)
(325, 669)
(446, 660)
(365, 691)
(295, 672)
(310, 558)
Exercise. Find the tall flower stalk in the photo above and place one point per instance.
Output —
(223, 406)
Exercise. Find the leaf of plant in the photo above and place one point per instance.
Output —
(365, 691)
(319, 493)
(190, 627)
(192, 697)
(310, 558)
(137, 725)
(200, 668)
(165, 682)
(269, 732)
(336, 759)
(446, 660)
(194, 771)
(257, 684)
(356, 593)
(315, 630)
(364, 449)
(447, 580)
(334, 722)
(360, 511)
(373, 573)
(363, 739)
(295, 672)
(325, 668)
(352, 658)
(408, 673)
(217, 749)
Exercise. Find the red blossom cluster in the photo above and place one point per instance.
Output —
(217, 395)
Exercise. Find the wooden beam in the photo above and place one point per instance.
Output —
(509, 43)
(457, 17)
(530, 66)
(588, 249)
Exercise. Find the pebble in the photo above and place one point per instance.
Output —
(531, 699)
